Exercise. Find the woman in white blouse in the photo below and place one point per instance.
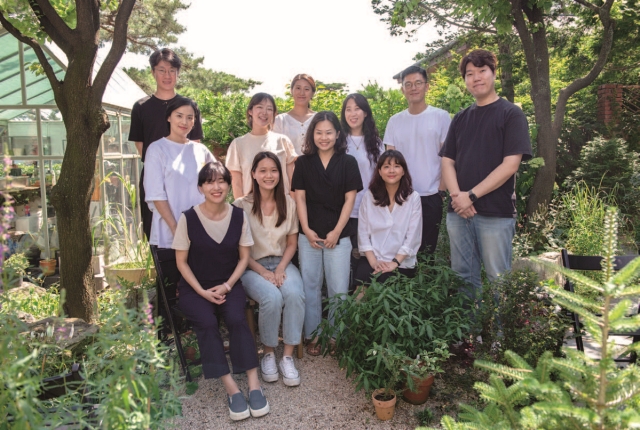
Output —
(294, 124)
(390, 220)
(171, 171)
(271, 279)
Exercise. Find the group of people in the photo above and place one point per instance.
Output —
(318, 200)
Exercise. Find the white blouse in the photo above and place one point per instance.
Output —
(357, 148)
(293, 129)
(171, 174)
(388, 233)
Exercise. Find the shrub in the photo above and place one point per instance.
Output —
(531, 323)
(406, 314)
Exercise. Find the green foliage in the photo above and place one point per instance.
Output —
(38, 305)
(13, 269)
(583, 393)
(404, 314)
(424, 417)
(530, 324)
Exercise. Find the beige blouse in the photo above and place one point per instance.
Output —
(269, 240)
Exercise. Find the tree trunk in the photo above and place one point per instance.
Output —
(506, 68)
(71, 197)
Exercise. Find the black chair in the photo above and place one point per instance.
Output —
(584, 262)
(174, 321)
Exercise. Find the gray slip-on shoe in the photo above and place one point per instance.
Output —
(238, 409)
(258, 403)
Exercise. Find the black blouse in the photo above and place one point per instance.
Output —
(325, 190)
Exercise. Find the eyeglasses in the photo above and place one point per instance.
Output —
(167, 72)
(417, 84)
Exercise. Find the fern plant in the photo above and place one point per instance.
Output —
(584, 393)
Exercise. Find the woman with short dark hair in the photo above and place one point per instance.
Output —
(390, 220)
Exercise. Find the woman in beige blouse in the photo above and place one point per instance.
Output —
(294, 124)
(271, 280)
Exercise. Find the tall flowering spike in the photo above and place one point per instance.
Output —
(6, 215)
(610, 245)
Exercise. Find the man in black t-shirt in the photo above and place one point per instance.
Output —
(149, 119)
(482, 152)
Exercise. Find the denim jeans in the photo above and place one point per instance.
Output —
(286, 303)
(480, 239)
(315, 265)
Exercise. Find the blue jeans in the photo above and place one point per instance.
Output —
(315, 265)
(286, 303)
(480, 239)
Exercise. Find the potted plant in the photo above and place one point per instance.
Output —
(384, 399)
(420, 372)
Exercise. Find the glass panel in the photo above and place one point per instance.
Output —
(132, 195)
(38, 87)
(10, 85)
(21, 136)
(54, 134)
(128, 147)
(111, 137)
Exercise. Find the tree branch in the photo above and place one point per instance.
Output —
(583, 82)
(586, 4)
(53, 25)
(451, 22)
(56, 85)
(525, 38)
(118, 47)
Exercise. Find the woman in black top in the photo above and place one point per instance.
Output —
(326, 181)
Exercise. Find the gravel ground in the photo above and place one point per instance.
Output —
(324, 400)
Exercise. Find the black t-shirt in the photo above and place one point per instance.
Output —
(325, 190)
(478, 139)
(149, 122)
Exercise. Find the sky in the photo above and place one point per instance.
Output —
(272, 41)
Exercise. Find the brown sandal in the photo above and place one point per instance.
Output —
(314, 349)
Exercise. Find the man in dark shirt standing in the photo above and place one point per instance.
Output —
(481, 154)
(149, 119)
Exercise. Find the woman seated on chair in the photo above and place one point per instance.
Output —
(271, 279)
(390, 220)
(212, 243)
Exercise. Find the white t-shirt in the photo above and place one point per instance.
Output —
(171, 174)
(356, 147)
(419, 138)
(293, 129)
(243, 150)
(388, 233)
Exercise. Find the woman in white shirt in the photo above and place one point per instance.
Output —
(271, 279)
(294, 124)
(260, 116)
(171, 171)
(364, 143)
(390, 220)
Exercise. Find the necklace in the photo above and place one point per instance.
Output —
(354, 142)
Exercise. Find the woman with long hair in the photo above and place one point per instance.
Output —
(260, 116)
(212, 243)
(271, 280)
(294, 124)
(390, 220)
(326, 180)
(171, 170)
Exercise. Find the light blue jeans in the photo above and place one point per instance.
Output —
(315, 265)
(285, 303)
(480, 239)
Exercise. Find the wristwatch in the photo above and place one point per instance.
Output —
(472, 196)
(395, 260)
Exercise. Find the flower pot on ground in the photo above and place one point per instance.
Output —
(385, 403)
(190, 353)
(419, 372)
(48, 266)
(422, 390)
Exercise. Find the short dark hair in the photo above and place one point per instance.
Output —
(369, 129)
(414, 69)
(176, 103)
(378, 187)
(256, 100)
(479, 58)
(211, 171)
(310, 147)
(278, 192)
(165, 54)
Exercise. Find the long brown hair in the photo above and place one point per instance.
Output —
(278, 192)
(378, 187)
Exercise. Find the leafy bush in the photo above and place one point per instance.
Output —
(38, 305)
(586, 393)
(405, 314)
(13, 269)
(530, 322)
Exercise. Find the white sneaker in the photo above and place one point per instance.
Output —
(290, 375)
(269, 368)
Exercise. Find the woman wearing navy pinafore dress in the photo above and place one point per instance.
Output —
(212, 243)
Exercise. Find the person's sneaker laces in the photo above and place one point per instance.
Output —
(290, 375)
(238, 409)
(269, 367)
(258, 403)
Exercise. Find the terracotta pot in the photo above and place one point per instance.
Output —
(190, 353)
(423, 387)
(48, 266)
(384, 408)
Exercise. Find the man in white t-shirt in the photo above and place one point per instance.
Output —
(419, 132)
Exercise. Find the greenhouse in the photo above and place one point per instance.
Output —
(33, 137)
